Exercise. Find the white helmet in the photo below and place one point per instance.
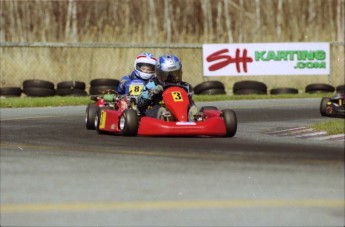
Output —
(145, 59)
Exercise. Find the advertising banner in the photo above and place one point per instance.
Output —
(260, 59)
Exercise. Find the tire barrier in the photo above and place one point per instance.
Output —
(98, 86)
(38, 88)
(10, 91)
(71, 88)
(210, 88)
(284, 90)
(247, 87)
(319, 88)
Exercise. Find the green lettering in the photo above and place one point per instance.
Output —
(304, 55)
(320, 55)
(271, 55)
(322, 65)
(282, 55)
(291, 54)
(260, 55)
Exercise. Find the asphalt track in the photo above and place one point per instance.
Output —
(54, 172)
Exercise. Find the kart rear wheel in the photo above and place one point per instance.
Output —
(129, 123)
(230, 121)
(90, 116)
(323, 105)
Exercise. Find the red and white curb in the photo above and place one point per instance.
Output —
(308, 133)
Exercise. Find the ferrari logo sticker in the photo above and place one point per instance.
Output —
(177, 97)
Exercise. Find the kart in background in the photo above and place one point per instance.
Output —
(172, 122)
(333, 107)
(117, 106)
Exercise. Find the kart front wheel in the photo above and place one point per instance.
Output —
(323, 105)
(129, 123)
(230, 121)
(97, 119)
(90, 116)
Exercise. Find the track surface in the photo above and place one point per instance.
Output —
(54, 172)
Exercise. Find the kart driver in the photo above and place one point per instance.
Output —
(144, 70)
(168, 71)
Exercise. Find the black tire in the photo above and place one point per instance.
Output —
(250, 84)
(38, 92)
(323, 105)
(284, 90)
(340, 89)
(71, 85)
(104, 82)
(230, 120)
(249, 92)
(38, 83)
(90, 115)
(69, 92)
(208, 85)
(129, 123)
(98, 118)
(208, 108)
(213, 91)
(97, 90)
(10, 91)
(314, 88)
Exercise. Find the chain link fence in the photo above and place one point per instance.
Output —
(57, 62)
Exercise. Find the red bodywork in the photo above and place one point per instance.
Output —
(109, 118)
(176, 100)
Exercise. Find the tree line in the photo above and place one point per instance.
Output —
(172, 21)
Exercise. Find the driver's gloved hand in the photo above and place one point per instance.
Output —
(158, 89)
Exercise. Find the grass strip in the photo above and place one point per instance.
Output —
(332, 127)
(18, 102)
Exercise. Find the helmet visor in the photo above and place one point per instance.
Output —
(170, 77)
(145, 68)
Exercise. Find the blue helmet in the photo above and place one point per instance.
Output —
(169, 69)
(146, 60)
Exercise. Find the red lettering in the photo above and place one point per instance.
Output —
(219, 55)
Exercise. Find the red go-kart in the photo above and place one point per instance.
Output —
(172, 122)
(116, 107)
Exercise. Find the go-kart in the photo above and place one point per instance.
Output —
(209, 121)
(116, 107)
(333, 107)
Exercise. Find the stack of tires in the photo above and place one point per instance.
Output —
(247, 87)
(283, 90)
(319, 88)
(99, 86)
(210, 88)
(38, 88)
(10, 91)
(71, 88)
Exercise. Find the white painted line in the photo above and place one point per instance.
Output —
(314, 134)
(340, 137)
(294, 133)
(287, 130)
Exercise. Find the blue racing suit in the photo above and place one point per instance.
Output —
(130, 85)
